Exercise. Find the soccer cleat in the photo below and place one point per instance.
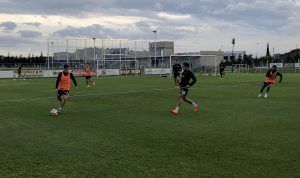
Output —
(196, 108)
(174, 111)
(266, 95)
(88, 86)
(59, 111)
(260, 95)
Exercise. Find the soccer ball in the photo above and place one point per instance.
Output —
(53, 112)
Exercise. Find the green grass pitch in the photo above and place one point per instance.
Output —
(124, 128)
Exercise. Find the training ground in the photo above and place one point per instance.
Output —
(123, 128)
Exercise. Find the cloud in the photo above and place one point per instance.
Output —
(263, 14)
(97, 31)
(174, 16)
(29, 34)
(34, 24)
(199, 23)
(138, 31)
(13, 41)
(8, 26)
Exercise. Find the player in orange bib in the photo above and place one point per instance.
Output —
(270, 81)
(88, 76)
(63, 86)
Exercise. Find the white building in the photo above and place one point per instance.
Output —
(237, 54)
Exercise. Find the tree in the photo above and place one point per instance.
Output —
(240, 59)
(248, 59)
(296, 58)
(288, 59)
(268, 51)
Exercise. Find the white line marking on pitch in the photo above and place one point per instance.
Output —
(84, 95)
(117, 92)
(10, 84)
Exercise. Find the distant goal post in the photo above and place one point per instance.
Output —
(203, 64)
(115, 67)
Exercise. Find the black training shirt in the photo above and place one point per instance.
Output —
(177, 68)
(186, 77)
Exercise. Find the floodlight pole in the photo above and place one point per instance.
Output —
(155, 32)
(120, 68)
(216, 65)
(67, 51)
(257, 46)
(135, 58)
(52, 53)
(94, 50)
(233, 44)
(85, 58)
(171, 67)
(48, 57)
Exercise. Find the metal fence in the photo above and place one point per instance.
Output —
(89, 50)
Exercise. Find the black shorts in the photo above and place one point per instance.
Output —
(176, 74)
(88, 77)
(184, 91)
(268, 84)
(61, 93)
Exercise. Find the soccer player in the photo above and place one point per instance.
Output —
(63, 86)
(19, 71)
(222, 69)
(270, 81)
(88, 76)
(176, 73)
(188, 79)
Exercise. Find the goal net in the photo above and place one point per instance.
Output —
(79, 51)
(239, 68)
(203, 64)
(114, 67)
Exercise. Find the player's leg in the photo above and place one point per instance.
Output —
(87, 81)
(195, 105)
(59, 95)
(178, 79)
(179, 101)
(65, 97)
(262, 89)
(64, 100)
(92, 82)
(268, 89)
(175, 80)
(223, 74)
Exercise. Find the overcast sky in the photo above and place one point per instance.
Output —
(194, 25)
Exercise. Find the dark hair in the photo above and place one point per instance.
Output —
(66, 66)
(274, 66)
(186, 64)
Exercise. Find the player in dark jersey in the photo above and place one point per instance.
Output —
(222, 70)
(63, 86)
(19, 70)
(270, 81)
(176, 73)
(188, 79)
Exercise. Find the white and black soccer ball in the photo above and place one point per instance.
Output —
(53, 112)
